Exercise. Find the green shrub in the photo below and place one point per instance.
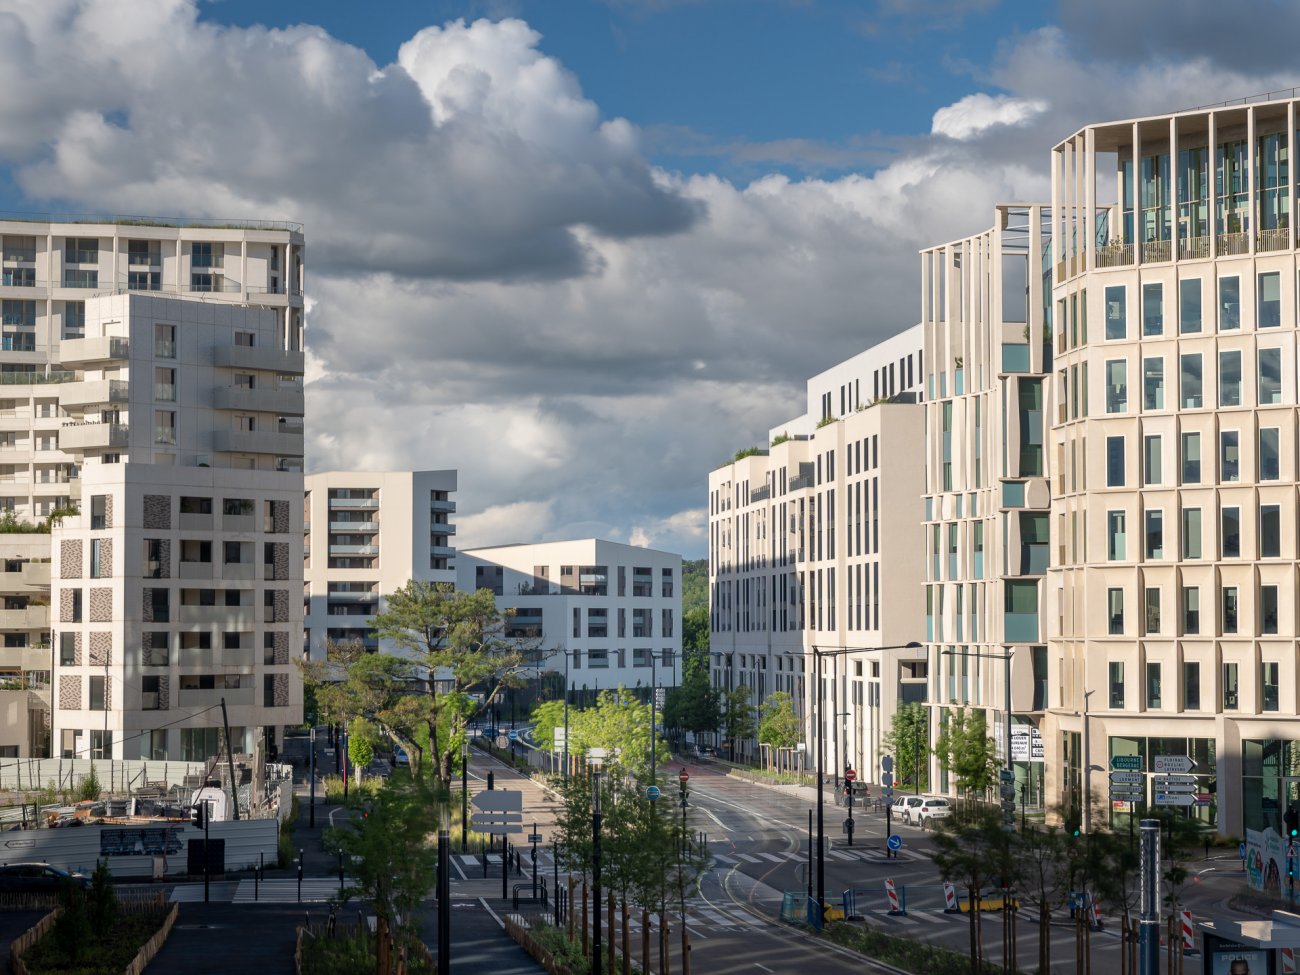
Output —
(71, 948)
(103, 905)
(912, 956)
(349, 955)
(89, 788)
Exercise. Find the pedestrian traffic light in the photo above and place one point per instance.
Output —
(199, 815)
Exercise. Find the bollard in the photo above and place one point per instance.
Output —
(340, 871)
(300, 853)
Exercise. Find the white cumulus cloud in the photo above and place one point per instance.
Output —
(975, 113)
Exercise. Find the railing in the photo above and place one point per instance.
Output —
(36, 378)
(149, 259)
(1273, 240)
(1193, 247)
(18, 254)
(1115, 255)
(1230, 245)
(1155, 251)
(81, 257)
(202, 287)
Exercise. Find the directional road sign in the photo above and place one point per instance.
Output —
(1174, 788)
(512, 735)
(1172, 763)
(499, 800)
(1006, 775)
(559, 735)
(1128, 763)
(895, 842)
(534, 837)
(1126, 789)
(652, 792)
(1131, 778)
(887, 763)
(498, 812)
(1181, 799)
(886, 779)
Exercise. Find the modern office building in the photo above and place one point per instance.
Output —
(985, 304)
(814, 542)
(611, 611)
(151, 375)
(1173, 583)
(373, 533)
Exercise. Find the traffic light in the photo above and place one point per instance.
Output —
(199, 815)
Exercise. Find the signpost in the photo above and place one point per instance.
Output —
(652, 792)
(1178, 764)
(1126, 763)
(849, 776)
(1008, 790)
(499, 812)
(503, 741)
(1180, 799)
(887, 794)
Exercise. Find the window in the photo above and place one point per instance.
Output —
(1229, 304)
(1115, 536)
(1151, 460)
(164, 341)
(597, 658)
(76, 606)
(154, 649)
(98, 512)
(1270, 464)
(1114, 461)
(1116, 669)
(598, 622)
(1270, 376)
(150, 692)
(81, 250)
(97, 695)
(1191, 610)
(1116, 386)
(1115, 611)
(1229, 687)
(1230, 609)
(1270, 531)
(98, 568)
(1153, 383)
(1191, 533)
(1189, 306)
(1189, 383)
(1229, 456)
(1268, 680)
(1191, 685)
(196, 506)
(1116, 313)
(67, 649)
(101, 744)
(1268, 609)
(1269, 307)
(73, 278)
(1230, 532)
(1230, 378)
(1191, 458)
(1153, 309)
(164, 427)
(164, 384)
(1152, 609)
(1153, 685)
(1155, 534)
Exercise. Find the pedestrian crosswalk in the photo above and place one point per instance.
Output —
(844, 854)
(702, 917)
(315, 890)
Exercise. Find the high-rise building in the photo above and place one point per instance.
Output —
(368, 534)
(154, 374)
(813, 543)
(1173, 586)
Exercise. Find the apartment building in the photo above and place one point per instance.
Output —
(374, 532)
(149, 360)
(611, 611)
(801, 557)
(985, 304)
(1172, 586)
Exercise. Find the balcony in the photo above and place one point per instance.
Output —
(1114, 254)
(1273, 240)
(1192, 248)
(258, 442)
(366, 504)
(442, 551)
(93, 436)
(81, 256)
(354, 550)
(284, 402)
(258, 357)
(35, 574)
(30, 618)
(237, 571)
(1233, 245)
(365, 527)
(352, 597)
(444, 507)
(101, 348)
(1155, 251)
(188, 698)
(194, 570)
(232, 617)
(96, 392)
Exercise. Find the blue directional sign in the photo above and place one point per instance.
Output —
(652, 792)
(513, 735)
(895, 842)
(1241, 850)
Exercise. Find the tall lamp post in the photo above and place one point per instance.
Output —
(1087, 766)
(818, 653)
(1006, 706)
(596, 756)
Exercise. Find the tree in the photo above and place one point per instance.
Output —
(695, 629)
(393, 863)
(1038, 871)
(695, 706)
(619, 723)
(908, 740)
(738, 718)
(778, 725)
(967, 752)
(461, 638)
(361, 745)
(974, 853)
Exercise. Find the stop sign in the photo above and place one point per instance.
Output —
(683, 776)
(850, 775)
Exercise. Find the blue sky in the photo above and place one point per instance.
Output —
(584, 250)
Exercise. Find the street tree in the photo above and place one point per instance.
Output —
(462, 638)
(1038, 874)
(695, 629)
(778, 725)
(974, 853)
(908, 740)
(966, 751)
(738, 717)
(695, 706)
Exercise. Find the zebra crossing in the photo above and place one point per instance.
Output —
(701, 917)
(847, 854)
(276, 890)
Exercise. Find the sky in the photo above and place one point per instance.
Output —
(584, 250)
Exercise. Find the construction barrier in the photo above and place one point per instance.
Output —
(851, 899)
(1189, 933)
(897, 905)
(794, 907)
(1096, 914)
(950, 899)
(1288, 961)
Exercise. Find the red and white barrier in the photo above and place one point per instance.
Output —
(950, 899)
(892, 893)
(1288, 961)
(1096, 913)
(1189, 933)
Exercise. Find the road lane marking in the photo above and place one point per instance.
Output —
(746, 857)
(765, 968)
(773, 857)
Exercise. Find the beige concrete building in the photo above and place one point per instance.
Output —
(814, 542)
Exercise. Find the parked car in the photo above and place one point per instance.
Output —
(37, 878)
(861, 793)
(901, 806)
(400, 758)
(929, 808)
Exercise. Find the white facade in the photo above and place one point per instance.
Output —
(813, 543)
(612, 610)
(373, 533)
(147, 360)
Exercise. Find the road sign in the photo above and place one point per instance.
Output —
(886, 779)
(498, 812)
(895, 842)
(503, 741)
(1181, 799)
(1006, 775)
(1128, 763)
(498, 800)
(683, 776)
(1241, 850)
(887, 763)
(887, 794)
(493, 827)
(1127, 788)
(559, 735)
(534, 837)
(660, 697)
(1165, 785)
(1134, 778)
(1172, 763)
(1008, 790)
(512, 735)
(850, 775)
(652, 792)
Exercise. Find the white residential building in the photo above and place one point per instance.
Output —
(814, 543)
(151, 372)
(612, 611)
(373, 533)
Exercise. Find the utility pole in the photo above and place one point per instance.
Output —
(1149, 884)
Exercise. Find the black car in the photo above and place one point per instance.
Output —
(36, 878)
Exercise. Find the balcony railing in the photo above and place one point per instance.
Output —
(101, 348)
(445, 507)
(1231, 245)
(20, 255)
(1193, 247)
(144, 258)
(92, 436)
(1115, 255)
(81, 256)
(366, 503)
(1155, 251)
(1273, 240)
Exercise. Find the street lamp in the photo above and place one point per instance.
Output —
(595, 756)
(1087, 765)
(818, 653)
(1006, 658)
